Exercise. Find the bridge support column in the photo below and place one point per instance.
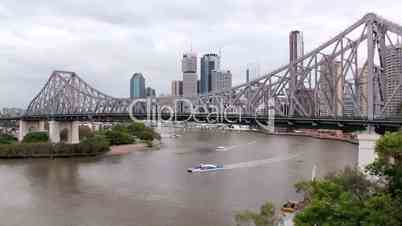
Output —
(54, 131)
(75, 134)
(23, 130)
(367, 155)
(42, 126)
(72, 131)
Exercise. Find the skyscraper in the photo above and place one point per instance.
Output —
(393, 80)
(296, 46)
(363, 91)
(221, 80)
(248, 75)
(137, 86)
(296, 50)
(149, 92)
(209, 63)
(189, 69)
(177, 88)
(331, 89)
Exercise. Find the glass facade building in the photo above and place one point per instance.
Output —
(137, 86)
(209, 62)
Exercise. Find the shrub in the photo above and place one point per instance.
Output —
(85, 132)
(36, 137)
(96, 139)
(90, 147)
(118, 137)
(149, 143)
(7, 139)
(146, 135)
(136, 128)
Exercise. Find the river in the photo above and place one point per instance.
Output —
(153, 188)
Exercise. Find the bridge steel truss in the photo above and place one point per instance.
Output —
(306, 87)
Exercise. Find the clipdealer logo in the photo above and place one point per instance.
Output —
(150, 109)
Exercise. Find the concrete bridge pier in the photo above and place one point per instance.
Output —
(72, 128)
(30, 126)
(54, 132)
(367, 142)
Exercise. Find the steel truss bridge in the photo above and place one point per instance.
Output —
(310, 90)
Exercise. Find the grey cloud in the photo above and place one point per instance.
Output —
(106, 41)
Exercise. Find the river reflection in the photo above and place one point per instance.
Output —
(153, 188)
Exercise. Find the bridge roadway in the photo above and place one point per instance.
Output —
(342, 123)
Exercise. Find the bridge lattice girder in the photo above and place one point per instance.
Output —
(309, 86)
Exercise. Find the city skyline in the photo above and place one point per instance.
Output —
(56, 39)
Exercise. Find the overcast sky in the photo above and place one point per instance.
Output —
(105, 41)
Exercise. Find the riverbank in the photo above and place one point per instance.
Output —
(317, 134)
(129, 148)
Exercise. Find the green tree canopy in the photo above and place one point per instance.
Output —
(36, 137)
(351, 198)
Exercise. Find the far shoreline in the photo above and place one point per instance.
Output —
(126, 149)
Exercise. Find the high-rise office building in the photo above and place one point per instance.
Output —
(149, 92)
(137, 86)
(221, 80)
(392, 80)
(209, 62)
(190, 77)
(305, 98)
(331, 89)
(349, 109)
(296, 50)
(363, 90)
(252, 71)
(177, 88)
(296, 46)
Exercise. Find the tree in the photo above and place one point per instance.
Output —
(350, 198)
(136, 128)
(116, 137)
(85, 132)
(7, 139)
(266, 216)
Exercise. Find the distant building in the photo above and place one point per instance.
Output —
(296, 46)
(305, 98)
(248, 75)
(137, 86)
(177, 88)
(349, 109)
(209, 62)
(149, 92)
(331, 92)
(190, 77)
(221, 80)
(296, 51)
(393, 80)
(363, 90)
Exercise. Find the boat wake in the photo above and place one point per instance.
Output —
(235, 146)
(256, 163)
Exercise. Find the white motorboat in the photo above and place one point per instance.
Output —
(205, 168)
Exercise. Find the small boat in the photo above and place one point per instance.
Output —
(220, 148)
(290, 207)
(205, 168)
